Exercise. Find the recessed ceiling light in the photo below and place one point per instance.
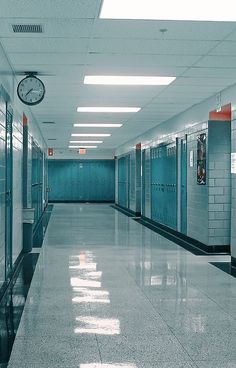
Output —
(201, 10)
(128, 80)
(86, 142)
(98, 125)
(90, 135)
(108, 109)
(83, 146)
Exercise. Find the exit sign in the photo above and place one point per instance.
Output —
(82, 151)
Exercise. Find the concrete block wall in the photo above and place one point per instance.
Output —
(233, 197)
(219, 198)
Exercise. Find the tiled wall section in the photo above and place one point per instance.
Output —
(233, 198)
(219, 141)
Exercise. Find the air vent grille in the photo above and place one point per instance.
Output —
(27, 28)
(48, 122)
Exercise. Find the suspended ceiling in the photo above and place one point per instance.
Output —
(75, 43)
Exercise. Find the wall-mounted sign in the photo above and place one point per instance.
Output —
(82, 151)
(50, 152)
(191, 162)
(233, 163)
(201, 159)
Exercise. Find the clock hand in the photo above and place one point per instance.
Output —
(29, 92)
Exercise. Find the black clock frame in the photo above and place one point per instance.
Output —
(31, 103)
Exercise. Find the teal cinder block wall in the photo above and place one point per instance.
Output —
(81, 180)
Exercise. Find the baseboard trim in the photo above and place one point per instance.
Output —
(126, 211)
(193, 245)
(76, 201)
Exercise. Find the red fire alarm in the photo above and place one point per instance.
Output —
(82, 151)
(50, 151)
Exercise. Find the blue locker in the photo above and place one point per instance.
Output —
(123, 181)
(184, 186)
(163, 185)
(81, 180)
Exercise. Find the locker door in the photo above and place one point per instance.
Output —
(184, 186)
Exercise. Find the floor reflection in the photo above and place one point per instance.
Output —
(12, 305)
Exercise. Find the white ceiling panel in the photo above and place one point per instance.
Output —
(166, 47)
(225, 48)
(219, 83)
(47, 59)
(46, 45)
(217, 62)
(139, 60)
(176, 30)
(49, 8)
(201, 72)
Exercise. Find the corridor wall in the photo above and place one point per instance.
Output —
(11, 202)
(81, 180)
(174, 196)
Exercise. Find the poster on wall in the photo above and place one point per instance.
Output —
(201, 159)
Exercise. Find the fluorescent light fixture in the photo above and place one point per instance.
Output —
(83, 146)
(108, 109)
(76, 142)
(201, 10)
(128, 80)
(90, 135)
(99, 125)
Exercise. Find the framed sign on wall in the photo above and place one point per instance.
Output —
(201, 159)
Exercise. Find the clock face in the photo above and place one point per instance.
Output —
(31, 90)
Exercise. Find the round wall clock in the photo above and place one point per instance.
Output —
(31, 90)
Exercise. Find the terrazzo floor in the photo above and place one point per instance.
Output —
(109, 293)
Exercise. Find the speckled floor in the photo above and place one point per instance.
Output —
(110, 293)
